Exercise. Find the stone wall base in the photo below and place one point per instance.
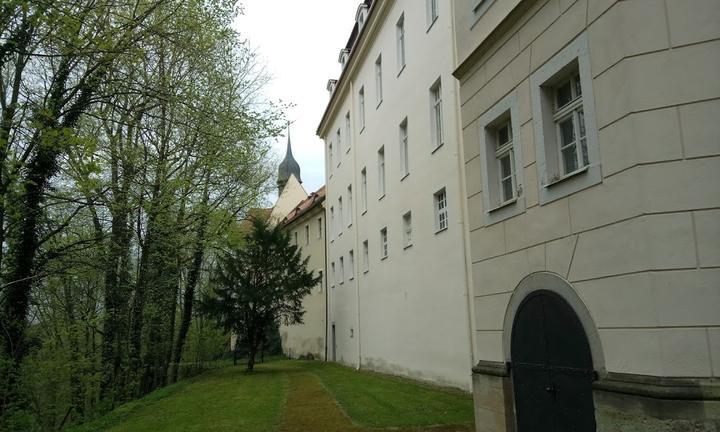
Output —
(623, 403)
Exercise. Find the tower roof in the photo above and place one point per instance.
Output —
(288, 166)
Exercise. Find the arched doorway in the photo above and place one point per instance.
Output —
(552, 367)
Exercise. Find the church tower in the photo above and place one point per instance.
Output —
(287, 167)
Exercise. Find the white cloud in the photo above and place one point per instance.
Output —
(299, 41)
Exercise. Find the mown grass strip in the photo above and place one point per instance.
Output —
(378, 401)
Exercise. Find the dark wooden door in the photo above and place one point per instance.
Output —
(552, 367)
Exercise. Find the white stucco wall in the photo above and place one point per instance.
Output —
(409, 313)
(308, 338)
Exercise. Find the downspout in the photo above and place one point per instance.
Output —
(463, 202)
(356, 221)
(327, 308)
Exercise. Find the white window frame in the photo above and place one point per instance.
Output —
(378, 81)
(404, 151)
(350, 205)
(441, 211)
(400, 43)
(407, 230)
(383, 243)
(431, 7)
(351, 265)
(381, 172)
(366, 257)
(340, 216)
(348, 132)
(553, 183)
(364, 189)
(338, 149)
(342, 270)
(503, 112)
(436, 115)
(361, 108)
(334, 275)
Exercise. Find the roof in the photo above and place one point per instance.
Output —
(351, 44)
(305, 206)
(288, 166)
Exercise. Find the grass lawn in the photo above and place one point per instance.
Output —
(295, 396)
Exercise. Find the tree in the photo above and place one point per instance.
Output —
(257, 284)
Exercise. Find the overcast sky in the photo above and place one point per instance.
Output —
(299, 42)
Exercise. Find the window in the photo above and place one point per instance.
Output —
(404, 166)
(436, 114)
(319, 227)
(567, 153)
(332, 223)
(340, 216)
(351, 265)
(441, 216)
(342, 270)
(383, 243)
(348, 132)
(366, 257)
(334, 276)
(361, 107)
(307, 234)
(432, 12)
(400, 34)
(570, 124)
(320, 284)
(296, 241)
(407, 230)
(338, 140)
(378, 80)
(500, 152)
(381, 172)
(480, 7)
(350, 205)
(363, 186)
(330, 158)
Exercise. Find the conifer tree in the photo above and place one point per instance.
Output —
(259, 283)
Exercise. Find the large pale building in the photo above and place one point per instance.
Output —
(591, 134)
(396, 243)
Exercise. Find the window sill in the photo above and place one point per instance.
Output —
(361, 130)
(407, 246)
(384, 258)
(567, 176)
(347, 151)
(338, 165)
(339, 235)
(350, 224)
(404, 177)
(441, 230)
(431, 24)
(363, 213)
(401, 70)
(332, 240)
(378, 104)
(366, 271)
(381, 197)
(503, 205)
(437, 148)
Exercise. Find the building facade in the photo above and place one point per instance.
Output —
(592, 160)
(397, 269)
(306, 226)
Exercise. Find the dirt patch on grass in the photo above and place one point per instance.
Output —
(310, 408)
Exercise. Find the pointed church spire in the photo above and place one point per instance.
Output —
(288, 166)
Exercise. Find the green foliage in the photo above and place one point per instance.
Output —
(136, 135)
(258, 284)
